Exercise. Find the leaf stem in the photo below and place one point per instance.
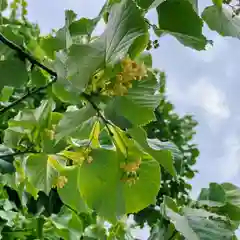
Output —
(96, 108)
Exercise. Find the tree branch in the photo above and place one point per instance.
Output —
(16, 154)
(26, 55)
(34, 62)
(173, 235)
(96, 108)
(29, 94)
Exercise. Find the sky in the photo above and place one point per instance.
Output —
(205, 84)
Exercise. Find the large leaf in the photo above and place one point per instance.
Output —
(82, 62)
(13, 73)
(102, 188)
(72, 121)
(147, 4)
(6, 160)
(40, 172)
(125, 24)
(141, 98)
(163, 156)
(72, 186)
(184, 24)
(214, 196)
(222, 21)
(198, 224)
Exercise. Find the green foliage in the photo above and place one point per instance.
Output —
(88, 136)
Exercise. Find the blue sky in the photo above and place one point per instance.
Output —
(205, 84)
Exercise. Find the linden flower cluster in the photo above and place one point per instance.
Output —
(61, 181)
(132, 166)
(130, 169)
(130, 71)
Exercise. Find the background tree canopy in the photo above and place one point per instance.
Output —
(88, 137)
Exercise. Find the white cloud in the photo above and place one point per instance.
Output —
(212, 52)
(202, 94)
(229, 164)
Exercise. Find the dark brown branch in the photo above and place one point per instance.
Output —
(34, 62)
(96, 108)
(26, 55)
(29, 94)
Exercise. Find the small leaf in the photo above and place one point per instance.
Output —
(221, 21)
(40, 173)
(68, 224)
(6, 93)
(83, 26)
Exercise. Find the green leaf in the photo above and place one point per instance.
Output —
(232, 193)
(51, 45)
(6, 93)
(214, 196)
(218, 3)
(195, 4)
(40, 173)
(83, 26)
(13, 73)
(145, 58)
(185, 24)
(198, 224)
(68, 224)
(77, 203)
(141, 98)
(164, 157)
(221, 21)
(42, 114)
(138, 45)
(38, 78)
(82, 62)
(125, 24)
(95, 231)
(3, 5)
(102, 188)
(6, 162)
(65, 93)
(72, 121)
(148, 4)
(157, 232)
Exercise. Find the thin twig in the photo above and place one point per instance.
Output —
(26, 55)
(34, 62)
(14, 154)
(29, 94)
(96, 108)
(173, 235)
